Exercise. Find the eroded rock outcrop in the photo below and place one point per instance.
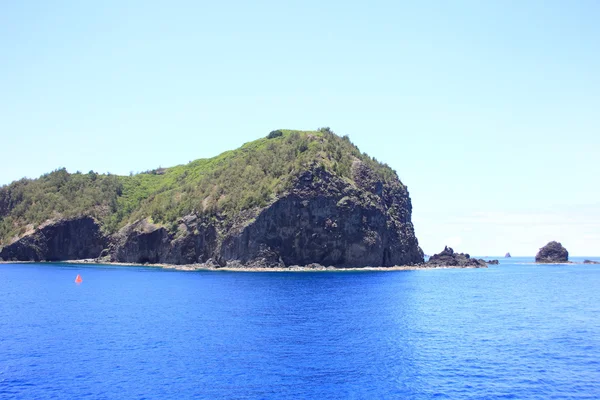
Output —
(71, 239)
(553, 252)
(448, 258)
(591, 262)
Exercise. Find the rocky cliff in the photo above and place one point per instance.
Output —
(72, 239)
(333, 211)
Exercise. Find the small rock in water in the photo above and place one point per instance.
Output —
(507, 255)
(448, 258)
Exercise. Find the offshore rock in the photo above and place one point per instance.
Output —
(507, 255)
(71, 239)
(448, 258)
(591, 262)
(551, 253)
(492, 262)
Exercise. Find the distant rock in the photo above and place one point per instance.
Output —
(448, 258)
(552, 253)
(493, 262)
(507, 255)
(591, 262)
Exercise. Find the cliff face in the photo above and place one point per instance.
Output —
(324, 203)
(325, 220)
(142, 242)
(71, 239)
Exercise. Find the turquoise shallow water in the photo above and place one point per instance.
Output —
(516, 330)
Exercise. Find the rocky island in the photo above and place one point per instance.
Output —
(552, 253)
(293, 198)
(449, 258)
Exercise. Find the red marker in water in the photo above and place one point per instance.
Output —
(78, 279)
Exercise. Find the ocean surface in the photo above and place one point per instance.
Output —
(512, 331)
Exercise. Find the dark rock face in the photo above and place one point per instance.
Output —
(326, 221)
(591, 262)
(553, 252)
(493, 262)
(507, 255)
(72, 239)
(143, 242)
(448, 258)
(322, 219)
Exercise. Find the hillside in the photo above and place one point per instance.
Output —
(226, 193)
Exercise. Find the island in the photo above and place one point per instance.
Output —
(292, 198)
(552, 253)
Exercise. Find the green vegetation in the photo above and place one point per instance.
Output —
(249, 177)
(274, 134)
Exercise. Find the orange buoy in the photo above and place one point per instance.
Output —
(78, 279)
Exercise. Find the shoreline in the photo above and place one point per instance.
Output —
(205, 267)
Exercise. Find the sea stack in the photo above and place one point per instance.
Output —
(507, 255)
(552, 253)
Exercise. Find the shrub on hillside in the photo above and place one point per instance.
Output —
(275, 134)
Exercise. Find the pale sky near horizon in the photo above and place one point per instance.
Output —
(488, 111)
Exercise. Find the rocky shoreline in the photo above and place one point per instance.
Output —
(210, 267)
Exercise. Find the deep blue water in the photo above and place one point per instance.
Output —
(515, 331)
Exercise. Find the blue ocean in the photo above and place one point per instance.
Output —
(512, 331)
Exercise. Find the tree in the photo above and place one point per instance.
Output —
(274, 134)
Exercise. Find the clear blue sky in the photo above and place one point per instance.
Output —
(489, 111)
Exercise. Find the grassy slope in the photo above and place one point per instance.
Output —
(248, 177)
